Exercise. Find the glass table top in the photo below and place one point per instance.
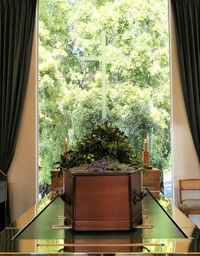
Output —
(164, 230)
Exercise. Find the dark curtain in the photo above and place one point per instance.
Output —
(17, 20)
(186, 15)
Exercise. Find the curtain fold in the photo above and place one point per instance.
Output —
(186, 15)
(17, 20)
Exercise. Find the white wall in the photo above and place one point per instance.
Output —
(184, 158)
(22, 175)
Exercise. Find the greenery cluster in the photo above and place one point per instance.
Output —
(103, 142)
(70, 89)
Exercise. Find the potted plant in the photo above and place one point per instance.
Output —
(103, 147)
(102, 183)
(102, 142)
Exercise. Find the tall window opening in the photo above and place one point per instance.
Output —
(103, 59)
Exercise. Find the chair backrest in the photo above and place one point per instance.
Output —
(188, 184)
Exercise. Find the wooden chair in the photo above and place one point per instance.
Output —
(189, 205)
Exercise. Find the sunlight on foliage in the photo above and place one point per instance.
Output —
(70, 89)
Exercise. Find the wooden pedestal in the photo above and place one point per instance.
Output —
(56, 183)
(151, 181)
(102, 201)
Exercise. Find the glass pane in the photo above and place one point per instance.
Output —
(103, 60)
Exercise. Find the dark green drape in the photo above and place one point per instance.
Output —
(17, 20)
(186, 15)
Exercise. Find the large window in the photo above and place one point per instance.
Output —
(103, 59)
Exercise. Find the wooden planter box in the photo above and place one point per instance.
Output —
(102, 201)
(56, 182)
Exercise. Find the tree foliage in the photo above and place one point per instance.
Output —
(70, 90)
(103, 142)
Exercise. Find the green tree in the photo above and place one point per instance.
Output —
(70, 88)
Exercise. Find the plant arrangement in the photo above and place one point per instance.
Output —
(104, 147)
